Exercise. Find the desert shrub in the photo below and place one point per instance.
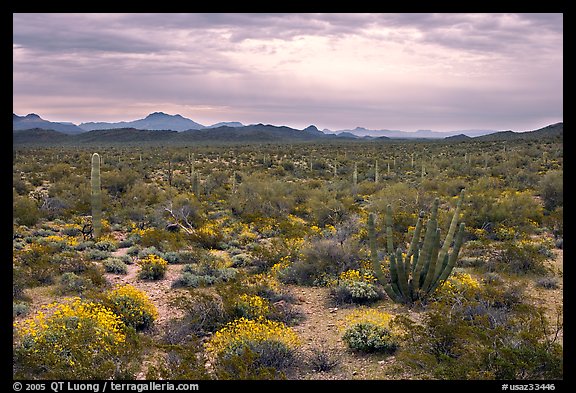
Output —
(242, 260)
(152, 267)
(181, 362)
(20, 309)
(25, 211)
(78, 339)
(369, 331)
(115, 265)
(144, 252)
(521, 257)
(172, 257)
(458, 285)
(212, 270)
(126, 243)
(251, 307)
(209, 235)
(97, 255)
(71, 283)
(322, 260)
(71, 230)
(551, 189)
(105, 245)
(37, 263)
(322, 360)
(356, 292)
(355, 287)
(267, 346)
(161, 239)
(204, 313)
(83, 245)
(474, 340)
(547, 283)
(132, 306)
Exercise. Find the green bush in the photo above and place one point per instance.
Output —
(368, 337)
(20, 309)
(25, 211)
(115, 265)
(204, 313)
(495, 335)
(105, 245)
(71, 283)
(352, 291)
(551, 189)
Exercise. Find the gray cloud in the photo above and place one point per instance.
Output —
(495, 68)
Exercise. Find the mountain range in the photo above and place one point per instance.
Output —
(160, 126)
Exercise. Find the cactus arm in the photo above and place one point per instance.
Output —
(414, 263)
(452, 259)
(373, 251)
(452, 230)
(402, 277)
(416, 236)
(431, 272)
(424, 256)
(391, 294)
(389, 238)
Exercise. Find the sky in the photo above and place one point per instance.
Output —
(404, 71)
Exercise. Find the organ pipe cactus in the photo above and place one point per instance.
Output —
(96, 195)
(416, 275)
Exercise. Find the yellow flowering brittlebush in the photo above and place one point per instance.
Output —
(356, 275)
(72, 339)
(369, 316)
(459, 284)
(243, 332)
(252, 306)
(133, 306)
(153, 267)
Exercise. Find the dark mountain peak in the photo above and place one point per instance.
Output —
(457, 138)
(158, 115)
(312, 129)
(360, 129)
(29, 117)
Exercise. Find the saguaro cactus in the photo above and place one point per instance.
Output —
(416, 274)
(376, 172)
(96, 195)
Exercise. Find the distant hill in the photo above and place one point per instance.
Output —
(227, 124)
(154, 121)
(420, 134)
(458, 138)
(39, 136)
(117, 135)
(32, 121)
(251, 133)
(552, 130)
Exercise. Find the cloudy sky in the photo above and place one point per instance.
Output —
(338, 71)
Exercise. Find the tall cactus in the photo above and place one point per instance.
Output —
(96, 195)
(376, 172)
(416, 275)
